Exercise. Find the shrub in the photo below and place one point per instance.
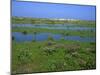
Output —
(66, 34)
(49, 51)
(50, 38)
(13, 38)
(24, 56)
(57, 66)
(33, 40)
(24, 32)
(89, 64)
(92, 43)
(62, 39)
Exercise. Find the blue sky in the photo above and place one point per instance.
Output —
(47, 10)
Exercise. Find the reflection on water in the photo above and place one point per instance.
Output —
(20, 37)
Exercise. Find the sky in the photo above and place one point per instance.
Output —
(51, 10)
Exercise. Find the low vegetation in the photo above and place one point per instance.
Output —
(26, 20)
(52, 56)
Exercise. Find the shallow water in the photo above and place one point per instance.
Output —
(20, 37)
(56, 26)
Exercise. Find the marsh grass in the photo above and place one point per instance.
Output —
(52, 56)
(24, 56)
(50, 38)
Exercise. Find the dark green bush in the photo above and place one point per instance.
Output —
(24, 32)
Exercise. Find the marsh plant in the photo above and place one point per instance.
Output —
(87, 64)
(62, 38)
(50, 38)
(57, 65)
(24, 56)
(24, 32)
(90, 65)
(34, 36)
(13, 38)
(71, 49)
(64, 34)
(92, 43)
(49, 50)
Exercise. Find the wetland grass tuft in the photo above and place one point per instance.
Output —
(24, 32)
(50, 38)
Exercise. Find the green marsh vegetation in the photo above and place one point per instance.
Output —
(26, 20)
(52, 55)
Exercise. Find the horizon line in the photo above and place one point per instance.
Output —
(53, 18)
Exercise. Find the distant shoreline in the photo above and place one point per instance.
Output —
(28, 20)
